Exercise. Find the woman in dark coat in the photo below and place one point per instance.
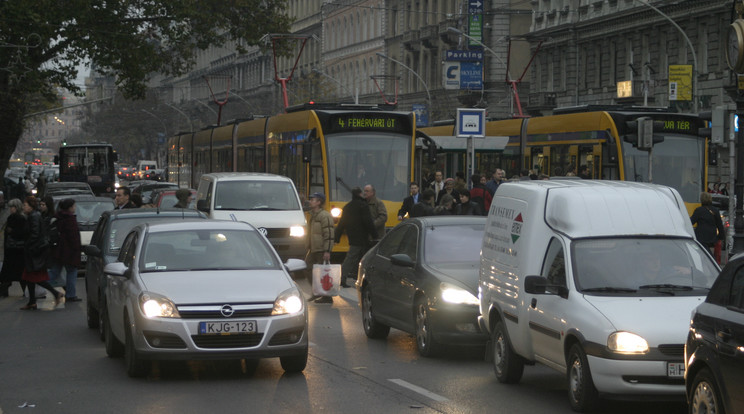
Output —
(36, 252)
(67, 252)
(709, 228)
(15, 234)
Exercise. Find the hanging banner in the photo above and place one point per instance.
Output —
(680, 82)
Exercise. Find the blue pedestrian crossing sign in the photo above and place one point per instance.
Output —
(471, 123)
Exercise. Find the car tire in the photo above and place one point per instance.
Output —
(507, 365)
(91, 314)
(582, 394)
(425, 342)
(372, 328)
(294, 363)
(114, 347)
(136, 366)
(705, 396)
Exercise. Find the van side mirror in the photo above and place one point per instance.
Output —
(402, 260)
(538, 285)
(202, 205)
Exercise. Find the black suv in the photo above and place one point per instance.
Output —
(104, 246)
(714, 352)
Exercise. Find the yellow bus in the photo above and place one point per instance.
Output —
(606, 141)
(321, 147)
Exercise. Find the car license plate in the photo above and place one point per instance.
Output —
(675, 369)
(83, 258)
(227, 328)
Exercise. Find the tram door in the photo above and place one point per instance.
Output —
(540, 160)
(591, 156)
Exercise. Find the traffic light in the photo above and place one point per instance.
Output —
(722, 126)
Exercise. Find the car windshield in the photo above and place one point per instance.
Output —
(206, 250)
(88, 211)
(121, 226)
(255, 195)
(453, 244)
(641, 265)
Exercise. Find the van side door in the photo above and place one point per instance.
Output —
(547, 312)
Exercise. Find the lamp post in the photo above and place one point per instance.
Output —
(237, 95)
(191, 123)
(165, 132)
(689, 43)
(355, 95)
(428, 95)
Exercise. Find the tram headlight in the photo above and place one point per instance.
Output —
(335, 212)
(297, 231)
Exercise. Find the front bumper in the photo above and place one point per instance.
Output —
(457, 325)
(634, 377)
(173, 338)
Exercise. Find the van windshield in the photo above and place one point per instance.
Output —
(255, 195)
(643, 266)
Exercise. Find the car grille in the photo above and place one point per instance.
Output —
(252, 310)
(164, 340)
(227, 341)
(674, 350)
(277, 233)
(286, 337)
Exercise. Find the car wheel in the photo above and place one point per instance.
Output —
(114, 347)
(582, 394)
(136, 366)
(425, 342)
(507, 365)
(91, 315)
(294, 363)
(706, 398)
(372, 328)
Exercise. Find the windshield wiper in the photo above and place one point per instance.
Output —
(265, 209)
(343, 184)
(665, 286)
(609, 289)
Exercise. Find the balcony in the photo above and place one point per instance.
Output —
(411, 40)
(541, 100)
(429, 36)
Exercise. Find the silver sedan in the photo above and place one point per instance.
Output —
(203, 290)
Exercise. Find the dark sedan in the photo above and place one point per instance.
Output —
(422, 278)
(714, 352)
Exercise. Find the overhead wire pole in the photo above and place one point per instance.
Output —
(428, 95)
(284, 81)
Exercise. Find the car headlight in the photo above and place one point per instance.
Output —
(157, 306)
(297, 231)
(335, 212)
(627, 343)
(288, 302)
(454, 294)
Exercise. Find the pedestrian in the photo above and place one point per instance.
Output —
(377, 209)
(479, 194)
(438, 184)
(460, 183)
(136, 200)
(496, 178)
(446, 206)
(319, 240)
(122, 198)
(14, 230)
(41, 184)
(356, 222)
(709, 228)
(468, 207)
(584, 172)
(184, 198)
(36, 253)
(409, 201)
(449, 189)
(425, 207)
(66, 254)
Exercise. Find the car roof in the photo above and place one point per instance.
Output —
(67, 184)
(198, 225)
(145, 212)
(449, 220)
(238, 176)
(81, 197)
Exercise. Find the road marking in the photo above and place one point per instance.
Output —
(416, 388)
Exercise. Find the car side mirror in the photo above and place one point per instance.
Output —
(294, 265)
(402, 260)
(117, 269)
(92, 251)
(202, 205)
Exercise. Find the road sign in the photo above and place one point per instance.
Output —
(475, 7)
(471, 123)
(464, 55)
(422, 114)
(463, 75)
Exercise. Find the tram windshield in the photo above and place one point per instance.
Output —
(355, 160)
(676, 162)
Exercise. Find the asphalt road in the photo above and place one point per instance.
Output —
(50, 359)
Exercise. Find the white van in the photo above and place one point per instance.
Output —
(143, 166)
(267, 201)
(596, 279)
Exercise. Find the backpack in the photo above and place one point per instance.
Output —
(53, 233)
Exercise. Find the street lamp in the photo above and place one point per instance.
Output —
(355, 95)
(184, 114)
(689, 43)
(382, 55)
(203, 104)
(237, 95)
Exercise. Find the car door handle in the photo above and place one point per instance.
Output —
(724, 334)
(534, 303)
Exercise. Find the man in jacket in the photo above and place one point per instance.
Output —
(319, 240)
(122, 198)
(377, 209)
(356, 222)
(409, 202)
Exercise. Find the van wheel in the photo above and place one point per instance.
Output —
(425, 342)
(507, 365)
(114, 347)
(705, 396)
(581, 392)
(372, 328)
(136, 366)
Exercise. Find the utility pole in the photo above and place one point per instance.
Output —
(735, 58)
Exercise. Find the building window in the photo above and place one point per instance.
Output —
(703, 49)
